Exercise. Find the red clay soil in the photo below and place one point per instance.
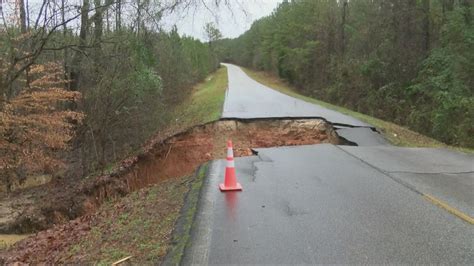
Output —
(47, 245)
(181, 154)
(79, 241)
(175, 156)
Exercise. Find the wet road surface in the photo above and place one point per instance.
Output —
(320, 204)
(246, 98)
(445, 174)
(371, 203)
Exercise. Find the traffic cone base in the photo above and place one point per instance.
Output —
(237, 187)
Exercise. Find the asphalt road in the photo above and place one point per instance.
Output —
(372, 203)
(362, 136)
(445, 174)
(246, 98)
(320, 204)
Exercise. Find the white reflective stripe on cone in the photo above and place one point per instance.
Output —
(230, 153)
(230, 163)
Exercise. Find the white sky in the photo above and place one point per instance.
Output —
(231, 20)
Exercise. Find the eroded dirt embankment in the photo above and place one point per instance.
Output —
(40, 208)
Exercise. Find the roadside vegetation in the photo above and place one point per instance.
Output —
(206, 102)
(85, 83)
(407, 62)
(397, 135)
(139, 224)
(83, 86)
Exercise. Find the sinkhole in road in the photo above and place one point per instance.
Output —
(175, 156)
(181, 154)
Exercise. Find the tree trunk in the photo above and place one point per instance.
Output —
(467, 11)
(22, 13)
(98, 23)
(118, 15)
(343, 25)
(23, 29)
(75, 74)
(107, 24)
(84, 22)
(27, 14)
(426, 26)
(139, 14)
(448, 6)
(65, 52)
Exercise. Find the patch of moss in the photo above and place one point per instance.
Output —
(182, 233)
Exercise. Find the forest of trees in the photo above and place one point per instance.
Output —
(406, 61)
(83, 83)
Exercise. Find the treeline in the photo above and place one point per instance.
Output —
(82, 84)
(130, 92)
(406, 61)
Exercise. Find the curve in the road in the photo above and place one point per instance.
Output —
(332, 204)
(246, 98)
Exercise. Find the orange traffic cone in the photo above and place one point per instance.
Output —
(230, 181)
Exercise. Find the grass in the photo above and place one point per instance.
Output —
(204, 105)
(6, 240)
(138, 225)
(183, 228)
(141, 223)
(206, 101)
(395, 134)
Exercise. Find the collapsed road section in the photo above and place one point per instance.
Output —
(179, 155)
(333, 204)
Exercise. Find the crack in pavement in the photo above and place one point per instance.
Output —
(262, 159)
(456, 212)
(257, 225)
(434, 173)
(412, 188)
(334, 124)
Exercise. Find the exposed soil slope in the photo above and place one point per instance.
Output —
(139, 224)
(164, 160)
(62, 200)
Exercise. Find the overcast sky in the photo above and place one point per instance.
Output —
(231, 20)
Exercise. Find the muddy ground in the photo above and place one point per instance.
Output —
(57, 203)
(140, 224)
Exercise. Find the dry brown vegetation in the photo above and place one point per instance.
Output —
(36, 125)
